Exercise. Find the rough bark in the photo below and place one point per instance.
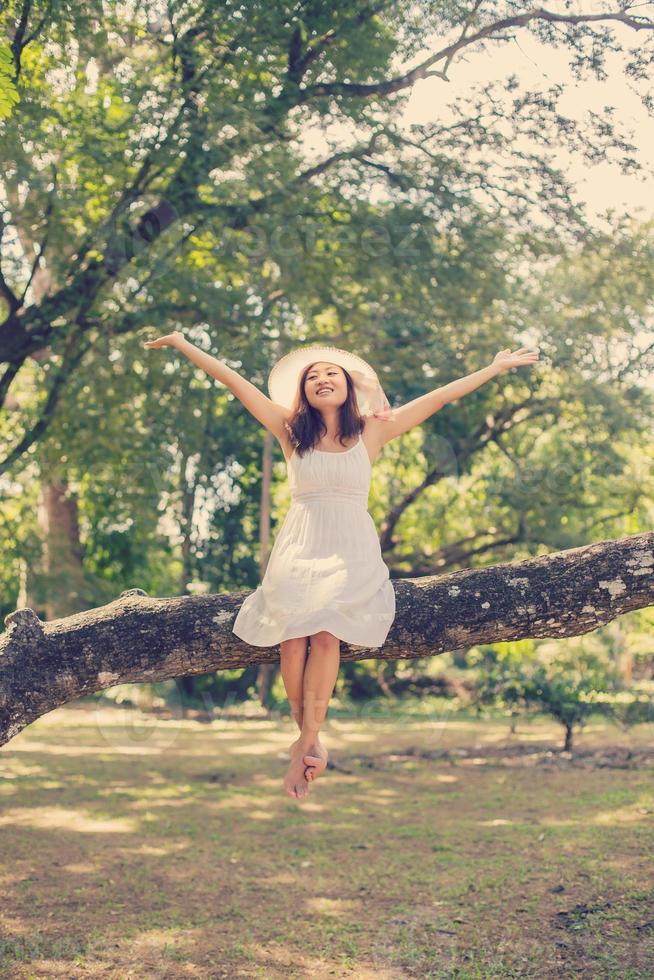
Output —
(139, 638)
(567, 747)
(63, 565)
(267, 672)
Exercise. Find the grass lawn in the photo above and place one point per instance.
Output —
(134, 846)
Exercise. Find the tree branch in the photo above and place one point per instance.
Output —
(5, 290)
(141, 639)
(298, 63)
(38, 255)
(619, 375)
(474, 441)
(6, 380)
(17, 42)
(20, 41)
(17, 335)
(451, 554)
(400, 82)
(73, 354)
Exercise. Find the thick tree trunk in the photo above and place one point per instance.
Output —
(64, 578)
(138, 638)
(60, 586)
(187, 508)
(621, 655)
(567, 747)
(267, 672)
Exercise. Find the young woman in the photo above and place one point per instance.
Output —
(325, 580)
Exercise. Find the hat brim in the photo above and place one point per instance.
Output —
(284, 377)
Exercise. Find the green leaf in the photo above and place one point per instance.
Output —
(8, 92)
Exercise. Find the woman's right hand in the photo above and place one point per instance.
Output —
(170, 340)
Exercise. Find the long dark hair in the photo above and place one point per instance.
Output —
(306, 426)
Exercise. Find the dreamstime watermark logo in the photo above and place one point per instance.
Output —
(427, 715)
(395, 940)
(147, 717)
(297, 241)
(549, 481)
(138, 229)
(142, 720)
(154, 477)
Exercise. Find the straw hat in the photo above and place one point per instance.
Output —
(284, 378)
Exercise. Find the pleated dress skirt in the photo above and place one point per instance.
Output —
(325, 570)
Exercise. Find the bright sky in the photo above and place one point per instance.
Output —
(540, 66)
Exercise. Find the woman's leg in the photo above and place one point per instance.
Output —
(293, 656)
(320, 676)
(308, 755)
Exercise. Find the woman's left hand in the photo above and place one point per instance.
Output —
(508, 359)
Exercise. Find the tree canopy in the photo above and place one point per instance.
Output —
(242, 171)
(138, 638)
(156, 167)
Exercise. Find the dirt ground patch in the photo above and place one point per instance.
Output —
(135, 846)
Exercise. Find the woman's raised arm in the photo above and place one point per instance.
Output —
(269, 413)
(415, 412)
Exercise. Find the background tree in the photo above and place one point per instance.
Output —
(161, 176)
(191, 120)
(8, 93)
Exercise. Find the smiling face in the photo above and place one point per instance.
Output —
(325, 385)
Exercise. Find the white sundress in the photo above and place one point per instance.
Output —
(325, 570)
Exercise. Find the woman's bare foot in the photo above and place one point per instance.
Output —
(315, 759)
(294, 782)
